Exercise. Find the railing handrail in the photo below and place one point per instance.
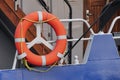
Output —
(76, 20)
(113, 23)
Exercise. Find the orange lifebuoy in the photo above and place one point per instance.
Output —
(21, 45)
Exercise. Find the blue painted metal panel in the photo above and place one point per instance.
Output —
(98, 70)
(103, 64)
(103, 47)
(93, 70)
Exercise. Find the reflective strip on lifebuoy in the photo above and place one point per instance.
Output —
(61, 41)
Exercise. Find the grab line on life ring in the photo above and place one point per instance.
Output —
(61, 41)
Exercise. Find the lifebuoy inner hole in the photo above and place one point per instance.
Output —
(41, 49)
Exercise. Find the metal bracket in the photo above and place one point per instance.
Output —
(16, 4)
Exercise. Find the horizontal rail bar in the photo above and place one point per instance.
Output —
(69, 40)
(76, 20)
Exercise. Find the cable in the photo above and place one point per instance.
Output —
(42, 2)
(37, 70)
(113, 7)
(69, 31)
(69, 49)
